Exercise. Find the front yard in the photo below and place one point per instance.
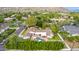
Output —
(16, 43)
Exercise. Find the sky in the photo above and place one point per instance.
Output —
(73, 8)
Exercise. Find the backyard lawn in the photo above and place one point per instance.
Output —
(24, 32)
(55, 37)
(64, 34)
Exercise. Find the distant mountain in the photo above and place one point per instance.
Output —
(77, 10)
(25, 9)
(73, 9)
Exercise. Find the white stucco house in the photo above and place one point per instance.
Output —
(8, 18)
(34, 33)
(24, 17)
(58, 19)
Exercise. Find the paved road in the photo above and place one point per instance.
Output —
(1, 47)
(75, 49)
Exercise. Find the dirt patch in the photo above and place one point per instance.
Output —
(72, 44)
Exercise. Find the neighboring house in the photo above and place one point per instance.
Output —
(64, 15)
(13, 16)
(34, 33)
(60, 19)
(8, 18)
(73, 30)
(24, 18)
(3, 27)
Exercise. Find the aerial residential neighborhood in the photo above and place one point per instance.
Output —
(38, 28)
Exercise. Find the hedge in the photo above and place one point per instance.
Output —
(21, 44)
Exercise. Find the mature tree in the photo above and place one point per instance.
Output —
(1, 19)
(54, 28)
(76, 19)
(19, 16)
(31, 21)
(42, 20)
(39, 23)
(44, 25)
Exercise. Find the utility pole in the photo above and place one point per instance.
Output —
(72, 45)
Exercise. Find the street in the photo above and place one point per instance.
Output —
(1, 47)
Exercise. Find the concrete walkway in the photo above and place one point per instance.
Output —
(68, 48)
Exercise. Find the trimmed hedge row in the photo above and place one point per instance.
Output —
(20, 44)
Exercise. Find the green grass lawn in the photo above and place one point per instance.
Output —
(55, 37)
(24, 32)
(64, 33)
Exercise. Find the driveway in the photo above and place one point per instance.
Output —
(20, 29)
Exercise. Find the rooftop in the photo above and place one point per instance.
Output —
(8, 18)
(71, 29)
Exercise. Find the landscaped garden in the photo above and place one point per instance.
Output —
(16, 43)
(5, 34)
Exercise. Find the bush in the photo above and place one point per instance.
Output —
(1, 19)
